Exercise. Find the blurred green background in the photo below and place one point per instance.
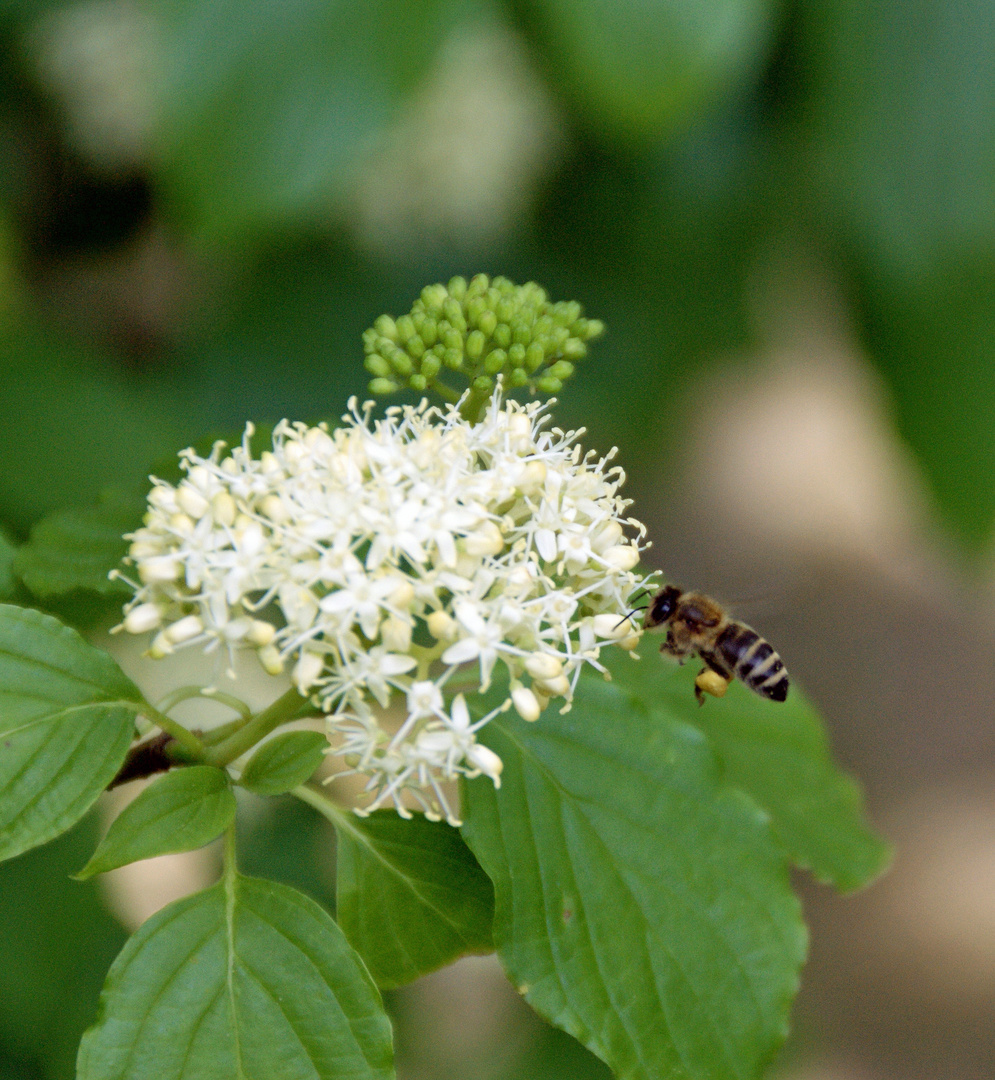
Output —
(785, 213)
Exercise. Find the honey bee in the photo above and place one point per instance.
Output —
(731, 650)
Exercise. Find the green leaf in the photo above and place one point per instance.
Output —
(264, 109)
(779, 755)
(246, 979)
(66, 719)
(284, 762)
(640, 905)
(411, 896)
(646, 69)
(75, 549)
(58, 941)
(8, 552)
(185, 809)
(902, 114)
(73, 423)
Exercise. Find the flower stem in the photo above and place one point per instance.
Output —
(185, 738)
(246, 737)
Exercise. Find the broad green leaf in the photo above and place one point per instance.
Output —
(185, 809)
(66, 719)
(284, 762)
(641, 905)
(75, 549)
(779, 755)
(643, 69)
(8, 552)
(902, 113)
(264, 109)
(411, 896)
(58, 941)
(246, 979)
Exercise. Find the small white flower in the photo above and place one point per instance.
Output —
(382, 559)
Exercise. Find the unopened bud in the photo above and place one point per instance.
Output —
(612, 627)
(260, 633)
(543, 666)
(553, 687)
(184, 630)
(484, 759)
(192, 501)
(526, 703)
(159, 568)
(622, 557)
(442, 626)
(224, 509)
(271, 660)
(143, 618)
(306, 671)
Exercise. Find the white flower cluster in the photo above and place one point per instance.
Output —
(406, 555)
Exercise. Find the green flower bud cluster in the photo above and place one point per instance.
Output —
(481, 329)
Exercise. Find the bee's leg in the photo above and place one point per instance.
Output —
(710, 681)
(671, 648)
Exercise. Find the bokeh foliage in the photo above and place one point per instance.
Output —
(691, 136)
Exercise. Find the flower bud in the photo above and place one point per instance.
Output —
(192, 502)
(526, 703)
(160, 647)
(486, 539)
(442, 626)
(483, 758)
(622, 557)
(553, 687)
(271, 660)
(184, 630)
(395, 634)
(306, 670)
(260, 633)
(612, 626)
(543, 666)
(606, 537)
(143, 618)
(275, 509)
(224, 508)
(159, 568)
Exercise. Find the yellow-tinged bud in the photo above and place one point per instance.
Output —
(224, 508)
(182, 523)
(268, 462)
(612, 627)
(271, 660)
(533, 477)
(275, 509)
(143, 618)
(526, 703)
(606, 537)
(306, 671)
(395, 634)
(260, 633)
(543, 666)
(486, 539)
(629, 643)
(442, 626)
(183, 630)
(159, 568)
(160, 647)
(553, 687)
(191, 501)
(622, 557)
(403, 596)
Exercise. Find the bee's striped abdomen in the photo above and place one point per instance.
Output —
(753, 660)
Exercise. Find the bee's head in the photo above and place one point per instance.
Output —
(662, 606)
